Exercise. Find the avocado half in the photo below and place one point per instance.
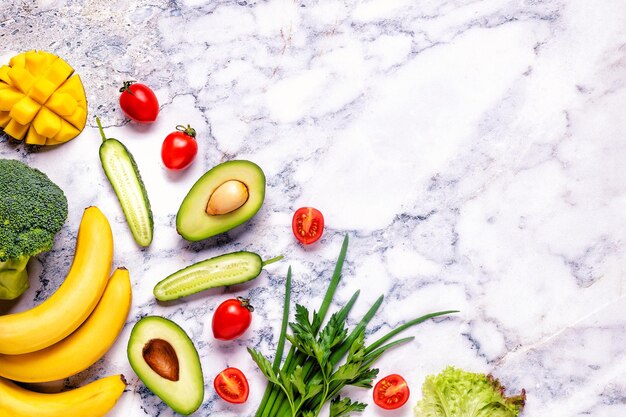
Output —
(193, 222)
(165, 359)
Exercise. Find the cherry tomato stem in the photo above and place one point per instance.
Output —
(187, 130)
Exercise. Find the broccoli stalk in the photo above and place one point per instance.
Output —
(32, 210)
(13, 278)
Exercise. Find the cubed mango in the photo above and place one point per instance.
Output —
(78, 118)
(22, 79)
(4, 118)
(34, 138)
(66, 132)
(46, 123)
(62, 104)
(8, 98)
(24, 111)
(15, 130)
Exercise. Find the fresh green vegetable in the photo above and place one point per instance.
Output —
(32, 210)
(225, 197)
(314, 371)
(229, 269)
(121, 170)
(458, 393)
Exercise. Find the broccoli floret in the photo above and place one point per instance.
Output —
(32, 210)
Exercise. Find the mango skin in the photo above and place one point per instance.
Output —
(42, 101)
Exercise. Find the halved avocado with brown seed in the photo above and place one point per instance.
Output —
(165, 359)
(223, 198)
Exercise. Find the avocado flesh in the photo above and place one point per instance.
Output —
(184, 395)
(192, 221)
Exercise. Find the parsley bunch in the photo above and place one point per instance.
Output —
(314, 371)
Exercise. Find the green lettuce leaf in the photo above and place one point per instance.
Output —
(457, 393)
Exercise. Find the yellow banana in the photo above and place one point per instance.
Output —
(75, 299)
(92, 400)
(81, 349)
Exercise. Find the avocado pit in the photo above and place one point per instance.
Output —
(228, 197)
(162, 359)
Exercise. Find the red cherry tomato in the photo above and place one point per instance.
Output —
(391, 392)
(231, 384)
(307, 225)
(138, 102)
(179, 148)
(232, 318)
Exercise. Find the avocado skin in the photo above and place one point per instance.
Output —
(185, 395)
(192, 221)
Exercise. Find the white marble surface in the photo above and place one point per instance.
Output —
(472, 150)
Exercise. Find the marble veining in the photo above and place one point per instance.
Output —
(472, 150)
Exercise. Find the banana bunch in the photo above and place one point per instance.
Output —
(68, 332)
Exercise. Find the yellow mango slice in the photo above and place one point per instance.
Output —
(66, 132)
(15, 130)
(58, 72)
(4, 74)
(35, 63)
(74, 87)
(47, 123)
(21, 78)
(78, 118)
(62, 104)
(24, 111)
(40, 90)
(9, 97)
(18, 61)
(34, 138)
(4, 118)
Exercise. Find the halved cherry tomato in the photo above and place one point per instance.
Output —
(231, 384)
(307, 225)
(179, 148)
(391, 392)
(138, 102)
(232, 318)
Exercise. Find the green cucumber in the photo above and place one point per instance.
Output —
(220, 271)
(121, 170)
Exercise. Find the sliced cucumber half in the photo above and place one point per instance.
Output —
(229, 269)
(121, 170)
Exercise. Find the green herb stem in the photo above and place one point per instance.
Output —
(281, 339)
(405, 326)
(330, 292)
(283, 327)
(360, 327)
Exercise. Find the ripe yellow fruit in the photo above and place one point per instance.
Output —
(40, 100)
(81, 349)
(95, 399)
(66, 309)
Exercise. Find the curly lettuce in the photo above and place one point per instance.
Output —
(458, 393)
